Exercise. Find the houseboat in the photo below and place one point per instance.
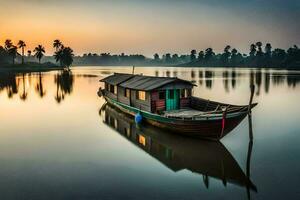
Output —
(210, 159)
(167, 102)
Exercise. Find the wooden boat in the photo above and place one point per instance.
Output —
(167, 103)
(203, 157)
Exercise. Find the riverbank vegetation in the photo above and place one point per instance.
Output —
(12, 60)
(260, 56)
(257, 57)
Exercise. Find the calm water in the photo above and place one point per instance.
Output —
(58, 142)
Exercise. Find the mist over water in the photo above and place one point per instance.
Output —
(56, 143)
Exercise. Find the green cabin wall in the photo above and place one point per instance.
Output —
(152, 103)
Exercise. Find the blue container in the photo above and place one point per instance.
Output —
(138, 118)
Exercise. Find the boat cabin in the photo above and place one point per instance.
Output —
(149, 93)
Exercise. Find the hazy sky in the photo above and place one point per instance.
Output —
(150, 26)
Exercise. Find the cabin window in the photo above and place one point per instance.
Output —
(189, 92)
(106, 86)
(142, 140)
(184, 93)
(127, 93)
(111, 88)
(115, 89)
(162, 95)
(141, 95)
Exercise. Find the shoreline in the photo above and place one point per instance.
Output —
(46, 67)
(185, 66)
(29, 67)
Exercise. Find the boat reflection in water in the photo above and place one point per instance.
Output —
(209, 158)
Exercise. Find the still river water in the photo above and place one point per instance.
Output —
(58, 142)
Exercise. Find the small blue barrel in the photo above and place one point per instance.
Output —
(138, 118)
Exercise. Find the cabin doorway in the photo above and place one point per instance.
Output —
(172, 99)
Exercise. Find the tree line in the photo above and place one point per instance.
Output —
(109, 59)
(257, 57)
(9, 52)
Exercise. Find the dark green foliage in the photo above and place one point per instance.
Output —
(4, 57)
(39, 52)
(260, 55)
(201, 56)
(64, 56)
(168, 58)
(193, 55)
(67, 57)
(278, 58)
(209, 54)
(226, 55)
(13, 52)
(22, 45)
(9, 52)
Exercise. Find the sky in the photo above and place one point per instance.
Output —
(150, 26)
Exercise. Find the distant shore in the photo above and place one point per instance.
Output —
(29, 67)
(186, 65)
(49, 66)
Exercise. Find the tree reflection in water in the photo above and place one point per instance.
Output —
(24, 93)
(200, 75)
(39, 88)
(64, 84)
(258, 81)
(8, 82)
(20, 84)
(225, 81)
(233, 78)
(209, 75)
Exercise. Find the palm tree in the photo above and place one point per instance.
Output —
(57, 44)
(200, 55)
(225, 56)
(13, 52)
(233, 56)
(58, 56)
(8, 44)
(64, 56)
(29, 53)
(22, 45)
(193, 55)
(259, 45)
(209, 53)
(268, 49)
(252, 50)
(39, 52)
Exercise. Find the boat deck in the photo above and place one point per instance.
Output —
(183, 113)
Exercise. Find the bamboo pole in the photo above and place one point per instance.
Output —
(252, 88)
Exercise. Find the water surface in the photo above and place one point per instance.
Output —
(56, 143)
